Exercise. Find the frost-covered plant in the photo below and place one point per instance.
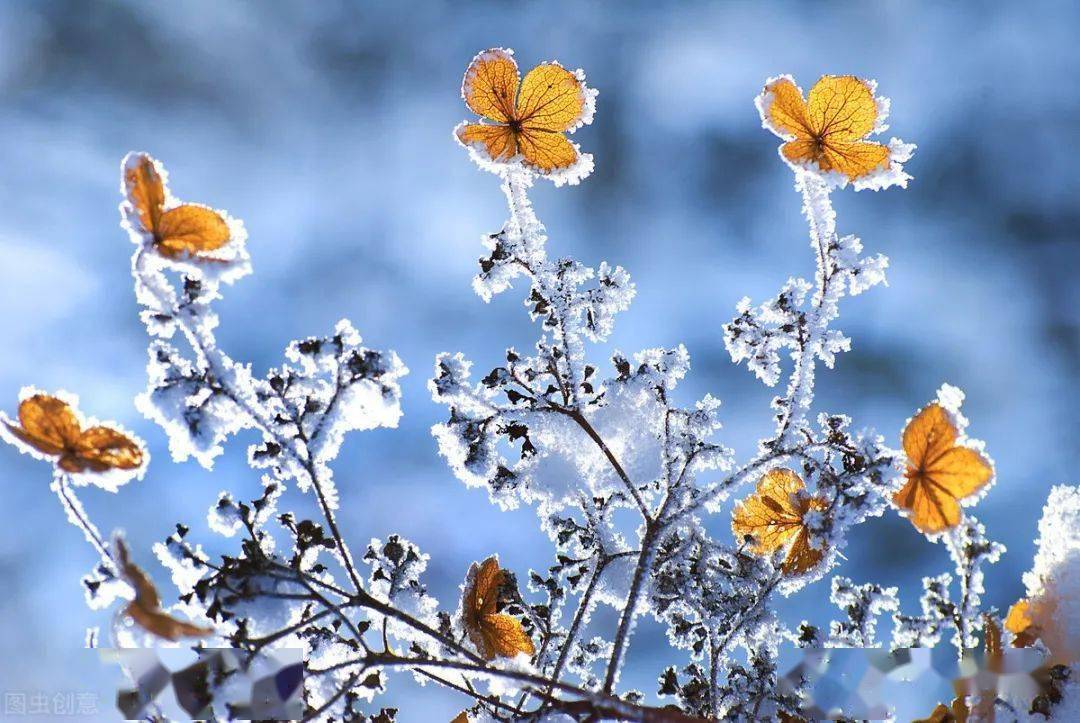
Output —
(626, 480)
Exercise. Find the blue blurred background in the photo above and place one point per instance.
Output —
(327, 128)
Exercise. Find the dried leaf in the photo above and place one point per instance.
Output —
(1020, 623)
(496, 635)
(146, 610)
(956, 713)
(774, 516)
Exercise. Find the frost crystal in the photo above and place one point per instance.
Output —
(625, 474)
(1053, 583)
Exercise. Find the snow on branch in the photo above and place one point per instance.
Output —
(628, 479)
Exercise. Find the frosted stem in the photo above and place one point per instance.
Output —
(821, 218)
(77, 516)
(525, 225)
(218, 363)
(523, 220)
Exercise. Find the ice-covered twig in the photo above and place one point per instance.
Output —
(758, 334)
(301, 416)
(76, 514)
(970, 550)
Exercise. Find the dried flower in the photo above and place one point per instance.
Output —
(52, 427)
(529, 117)
(941, 471)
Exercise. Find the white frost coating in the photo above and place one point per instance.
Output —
(864, 604)
(227, 264)
(361, 405)
(614, 586)
(1053, 583)
(564, 458)
(203, 397)
(756, 344)
(884, 105)
(550, 431)
(759, 334)
(102, 591)
(970, 550)
(1065, 710)
(183, 570)
(110, 480)
(605, 454)
(891, 175)
(396, 568)
(224, 516)
(196, 419)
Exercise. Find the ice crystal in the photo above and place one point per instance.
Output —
(627, 477)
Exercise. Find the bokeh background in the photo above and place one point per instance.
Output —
(327, 128)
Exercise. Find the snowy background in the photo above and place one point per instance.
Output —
(327, 128)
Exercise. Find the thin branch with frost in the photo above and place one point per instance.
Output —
(624, 479)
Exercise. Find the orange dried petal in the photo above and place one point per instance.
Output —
(145, 592)
(773, 515)
(106, 448)
(546, 151)
(494, 634)
(145, 609)
(191, 229)
(786, 111)
(955, 713)
(854, 160)
(498, 141)
(801, 557)
(1019, 618)
(841, 108)
(940, 473)
(45, 446)
(802, 151)
(504, 637)
(48, 420)
(146, 192)
(551, 99)
(931, 509)
(490, 86)
(929, 434)
(158, 622)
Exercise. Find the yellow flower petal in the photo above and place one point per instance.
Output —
(498, 141)
(787, 109)
(551, 99)
(490, 86)
(546, 151)
(841, 108)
